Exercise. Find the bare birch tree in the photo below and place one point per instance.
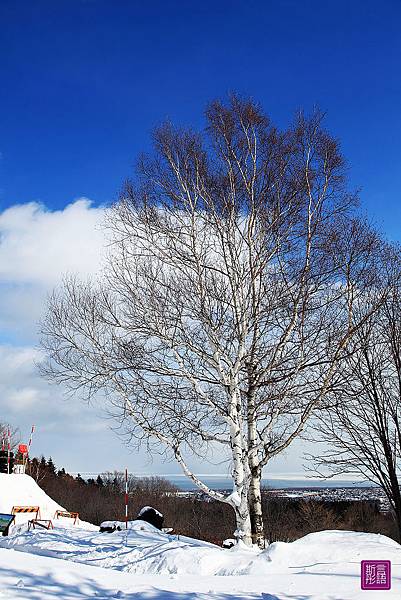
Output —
(14, 435)
(362, 429)
(228, 297)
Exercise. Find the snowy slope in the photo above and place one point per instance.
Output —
(22, 490)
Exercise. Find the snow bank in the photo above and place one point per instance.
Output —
(145, 550)
(142, 549)
(22, 490)
(136, 525)
(332, 547)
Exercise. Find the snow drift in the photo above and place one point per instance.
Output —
(145, 550)
(22, 490)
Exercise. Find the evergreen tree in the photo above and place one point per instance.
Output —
(51, 467)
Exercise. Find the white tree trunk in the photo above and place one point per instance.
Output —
(243, 522)
(255, 470)
(255, 507)
(241, 476)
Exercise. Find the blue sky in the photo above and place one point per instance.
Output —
(84, 82)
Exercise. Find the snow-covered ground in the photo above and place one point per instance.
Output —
(79, 562)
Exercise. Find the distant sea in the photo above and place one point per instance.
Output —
(224, 483)
(216, 482)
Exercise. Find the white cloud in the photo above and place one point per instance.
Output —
(21, 388)
(66, 428)
(37, 246)
(23, 398)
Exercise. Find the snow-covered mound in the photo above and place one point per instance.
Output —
(137, 524)
(333, 546)
(145, 550)
(141, 549)
(22, 490)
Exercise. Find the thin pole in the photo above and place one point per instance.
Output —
(30, 438)
(30, 443)
(8, 450)
(126, 498)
